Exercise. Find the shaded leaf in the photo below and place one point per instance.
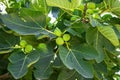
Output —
(73, 60)
(36, 17)
(73, 32)
(93, 38)
(96, 1)
(101, 67)
(55, 12)
(25, 26)
(94, 22)
(88, 52)
(7, 42)
(28, 76)
(20, 63)
(66, 74)
(43, 68)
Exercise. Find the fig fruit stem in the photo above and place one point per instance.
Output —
(67, 45)
(49, 31)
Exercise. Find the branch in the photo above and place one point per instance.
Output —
(84, 19)
(5, 76)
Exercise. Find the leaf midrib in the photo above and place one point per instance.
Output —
(22, 65)
(70, 51)
(22, 24)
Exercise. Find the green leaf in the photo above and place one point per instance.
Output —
(115, 7)
(93, 37)
(94, 22)
(117, 30)
(88, 52)
(20, 62)
(71, 75)
(7, 42)
(109, 33)
(38, 5)
(73, 60)
(64, 4)
(36, 17)
(78, 28)
(73, 32)
(96, 1)
(28, 25)
(28, 76)
(101, 67)
(66, 74)
(43, 68)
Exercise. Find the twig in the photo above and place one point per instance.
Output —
(4, 76)
(84, 19)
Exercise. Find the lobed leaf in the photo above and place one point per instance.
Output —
(65, 4)
(66, 74)
(7, 42)
(38, 5)
(109, 33)
(30, 24)
(88, 52)
(94, 38)
(43, 68)
(73, 60)
(115, 7)
(20, 63)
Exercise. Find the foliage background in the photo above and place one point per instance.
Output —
(91, 53)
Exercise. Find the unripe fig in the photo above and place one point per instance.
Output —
(23, 43)
(28, 48)
(81, 7)
(42, 46)
(66, 37)
(59, 41)
(91, 5)
(89, 11)
(96, 16)
(57, 32)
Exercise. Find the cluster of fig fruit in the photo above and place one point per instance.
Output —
(61, 38)
(90, 9)
(27, 47)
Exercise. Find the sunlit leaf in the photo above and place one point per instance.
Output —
(69, 5)
(115, 7)
(38, 5)
(109, 33)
